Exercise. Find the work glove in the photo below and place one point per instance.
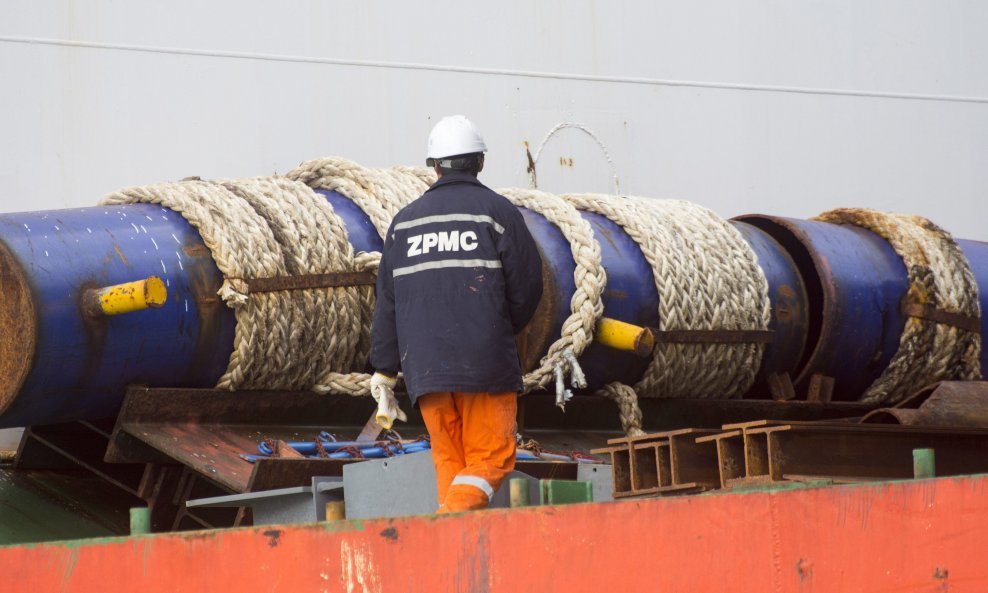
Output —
(382, 388)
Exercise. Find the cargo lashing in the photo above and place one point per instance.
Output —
(196, 331)
(561, 364)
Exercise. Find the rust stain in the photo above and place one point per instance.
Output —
(804, 568)
(196, 250)
(123, 258)
(210, 312)
(95, 332)
(786, 297)
(274, 537)
(565, 162)
(531, 164)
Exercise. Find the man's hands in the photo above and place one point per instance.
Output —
(382, 390)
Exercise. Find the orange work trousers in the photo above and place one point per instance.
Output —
(473, 445)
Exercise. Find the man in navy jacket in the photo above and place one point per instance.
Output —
(460, 275)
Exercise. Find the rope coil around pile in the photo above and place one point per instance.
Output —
(278, 227)
(320, 320)
(314, 338)
(707, 278)
(380, 194)
(243, 246)
(940, 277)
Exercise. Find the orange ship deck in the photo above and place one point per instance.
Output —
(925, 535)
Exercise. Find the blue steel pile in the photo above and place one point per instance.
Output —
(841, 297)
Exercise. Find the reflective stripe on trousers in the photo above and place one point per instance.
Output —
(473, 445)
(476, 483)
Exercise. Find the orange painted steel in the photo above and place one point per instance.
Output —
(929, 535)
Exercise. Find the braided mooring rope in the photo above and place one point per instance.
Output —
(230, 216)
(316, 338)
(939, 276)
(586, 305)
(380, 193)
(323, 330)
(705, 274)
(707, 278)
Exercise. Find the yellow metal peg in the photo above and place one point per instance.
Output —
(624, 336)
(138, 295)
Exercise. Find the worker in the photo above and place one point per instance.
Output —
(460, 276)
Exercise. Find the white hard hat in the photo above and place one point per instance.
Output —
(454, 135)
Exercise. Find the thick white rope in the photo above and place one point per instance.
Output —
(380, 193)
(629, 412)
(586, 305)
(277, 227)
(323, 330)
(707, 278)
(230, 228)
(706, 275)
(939, 276)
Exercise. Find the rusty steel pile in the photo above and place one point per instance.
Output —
(841, 298)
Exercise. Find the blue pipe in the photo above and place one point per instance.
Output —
(629, 296)
(334, 450)
(73, 367)
(976, 253)
(855, 283)
(78, 367)
(360, 230)
(788, 300)
(834, 292)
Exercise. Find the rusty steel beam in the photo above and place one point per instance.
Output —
(780, 387)
(730, 455)
(309, 281)
(207, 430)
(821, 389)
(771, 451)
(876, 451)
(662, 463)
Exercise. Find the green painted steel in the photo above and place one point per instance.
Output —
(140, 521)
(924, 463)
(564, 492)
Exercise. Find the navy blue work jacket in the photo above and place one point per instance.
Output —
(460, 275)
